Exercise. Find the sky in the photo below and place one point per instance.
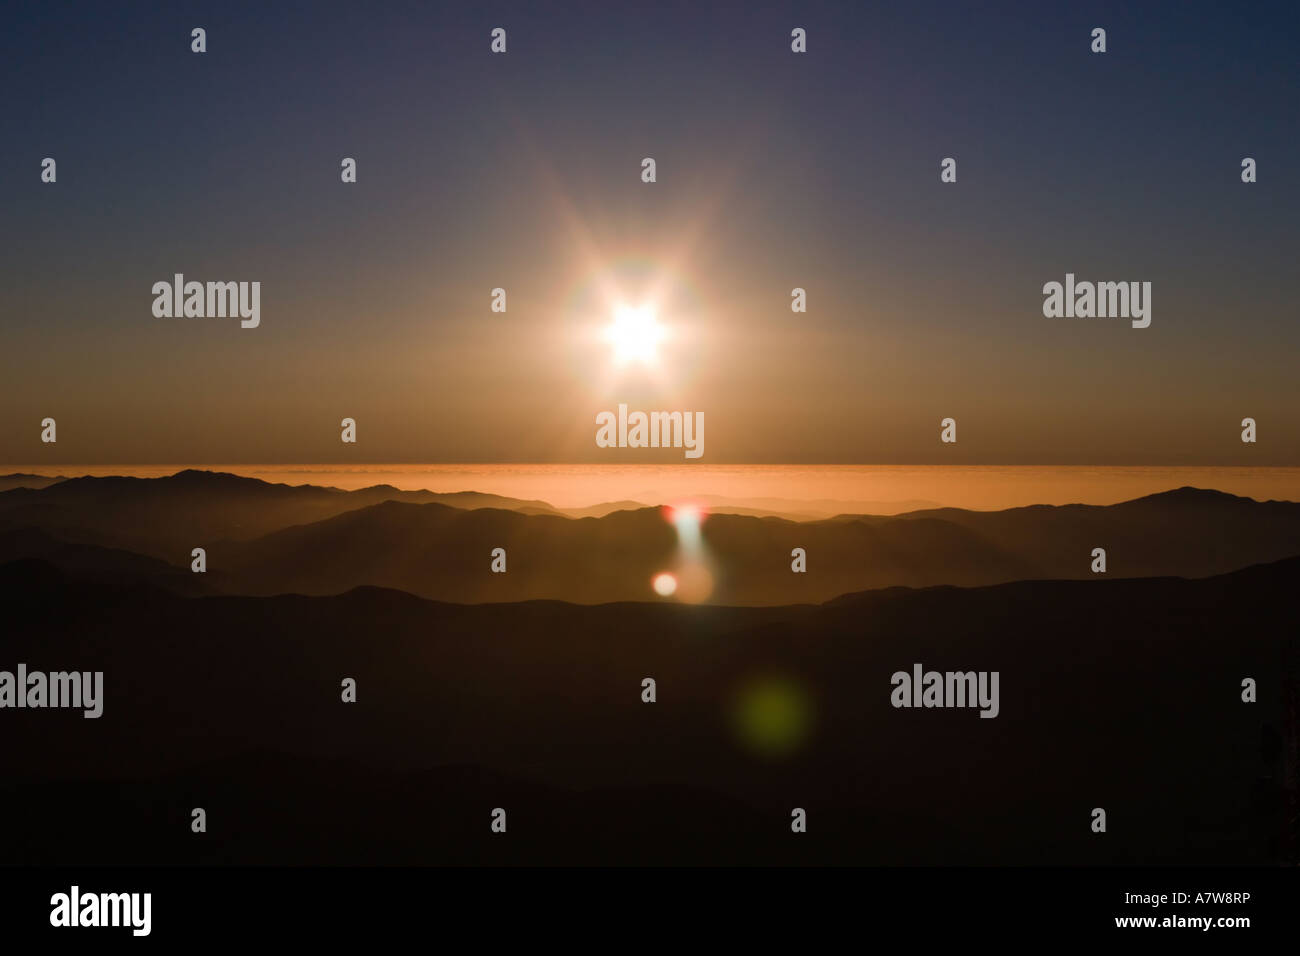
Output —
(775, 170)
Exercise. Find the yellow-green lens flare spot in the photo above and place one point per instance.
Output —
(772, 716)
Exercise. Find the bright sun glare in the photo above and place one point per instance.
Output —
(635, 334)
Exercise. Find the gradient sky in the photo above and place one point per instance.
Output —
(774, 170)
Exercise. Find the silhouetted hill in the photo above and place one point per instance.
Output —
(267, 539)
(602, 509)
(101, 564)
(444, 554)
(1187, 531)
(812, 509)
(167, 517)
(1123, 694)
(22, 480)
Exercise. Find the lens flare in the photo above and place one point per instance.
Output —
(694, 582)
(664, 584)
(772, 716)
(686, 518)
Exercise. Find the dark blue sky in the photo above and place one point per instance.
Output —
(775, 170)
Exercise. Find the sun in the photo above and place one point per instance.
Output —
(635, 335)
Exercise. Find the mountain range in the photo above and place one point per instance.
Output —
(265, 539)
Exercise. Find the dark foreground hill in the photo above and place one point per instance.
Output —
(1119, 694)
